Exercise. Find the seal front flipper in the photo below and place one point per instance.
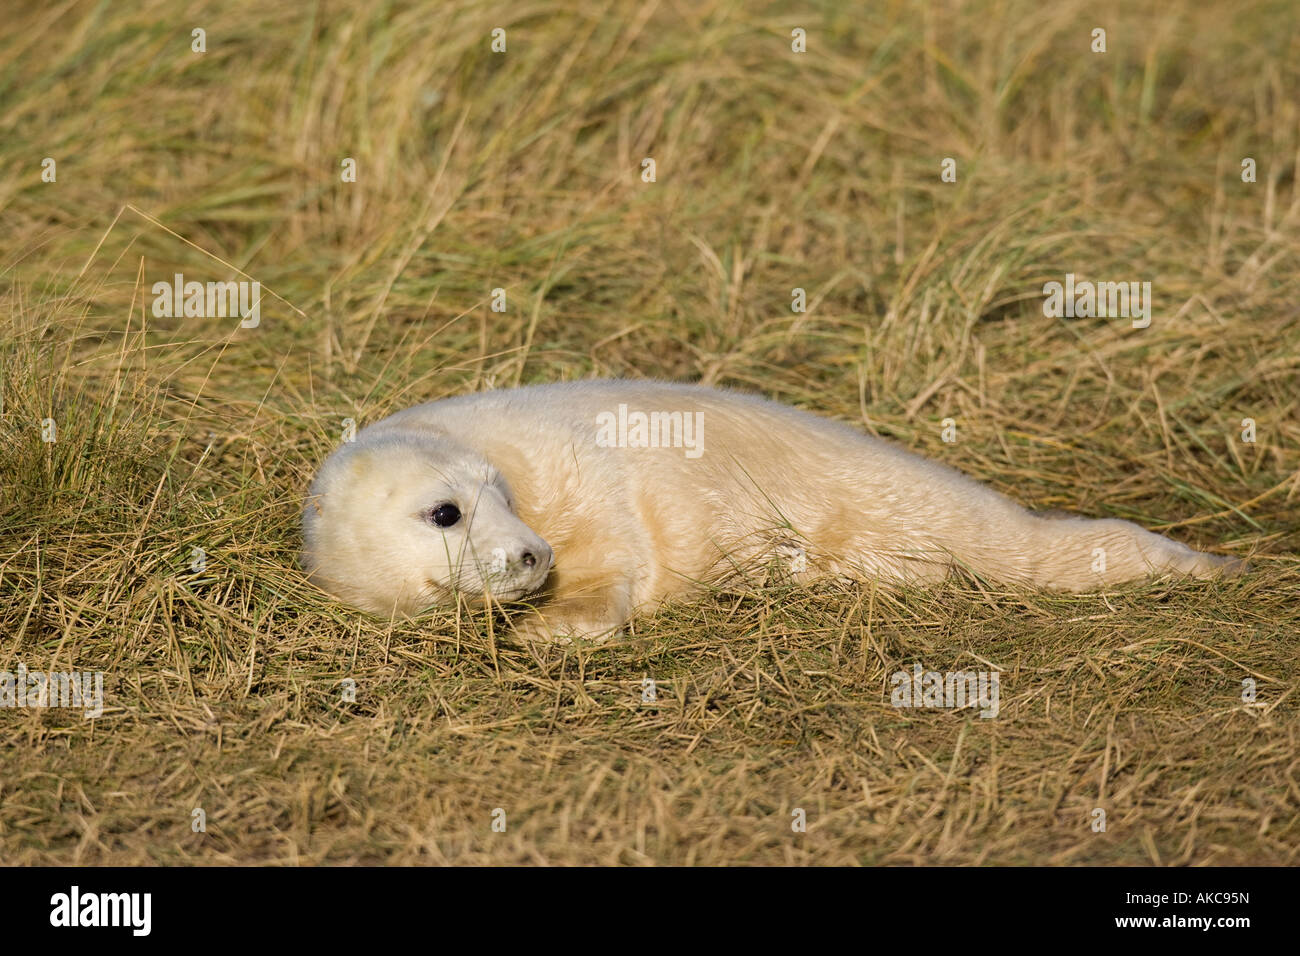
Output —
(593, 610)
(548, 629)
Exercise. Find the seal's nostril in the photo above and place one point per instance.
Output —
(528, 559)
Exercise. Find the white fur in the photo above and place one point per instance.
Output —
(630, 526)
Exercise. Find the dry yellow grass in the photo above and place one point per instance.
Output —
(522, 170)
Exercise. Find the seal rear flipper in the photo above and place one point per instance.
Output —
(1084, 554)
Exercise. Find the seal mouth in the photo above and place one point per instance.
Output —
(503, 594)
(499, 592)
(515, 592)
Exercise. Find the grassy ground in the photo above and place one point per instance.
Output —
(522, 170)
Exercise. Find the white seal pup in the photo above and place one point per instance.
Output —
(594, 500)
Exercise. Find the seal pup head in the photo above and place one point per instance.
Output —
(399, 521)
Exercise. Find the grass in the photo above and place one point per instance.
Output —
(522, 171)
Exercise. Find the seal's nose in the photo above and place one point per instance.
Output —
(536, 557)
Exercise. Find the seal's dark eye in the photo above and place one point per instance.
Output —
(444, 516)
